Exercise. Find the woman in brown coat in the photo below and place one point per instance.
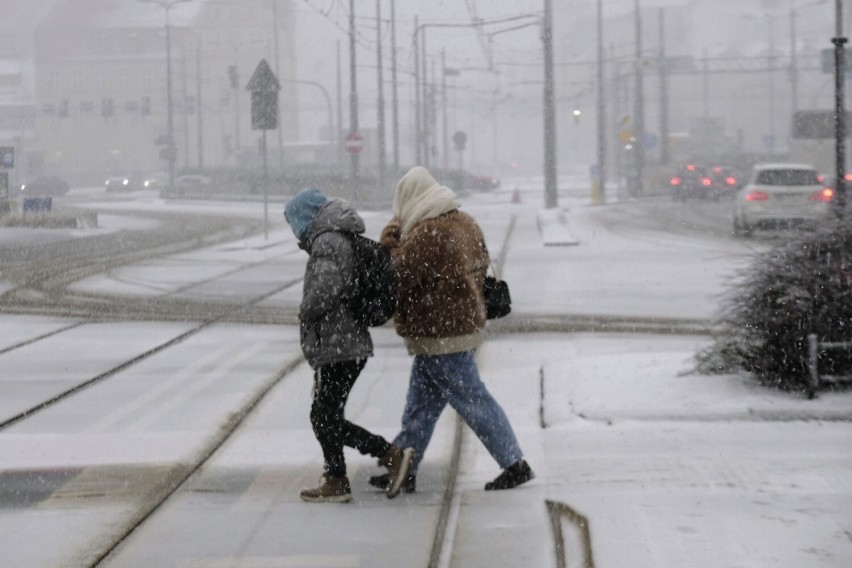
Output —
(440, 257)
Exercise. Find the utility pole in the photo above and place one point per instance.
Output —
(353, 107)
(839, 42)
(664, 93)
(381, 99)
(395, 89)
(639, 143)
(170, 147)
(551, 199)
(601, 107)
(277, 60)
(426, 132)
(339, 126)
(198, 103)
(794, 65)
(418, 156)
(705, 86)
(444, 137)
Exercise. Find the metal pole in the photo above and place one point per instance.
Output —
(395, 91)
(169, 112)
(664, 93)
(639, 143)
(550, 182)
(339, 126)
(237, 142)
(794, 65)
(199, 107)
(444, 137)
(425, 124)
(265, 189)
(353, 106)
(839, 42)
(280, 129)
(381, 99)
(418, 156)
(184, 107)
(705, 86)
(771, 75)
(601, 107)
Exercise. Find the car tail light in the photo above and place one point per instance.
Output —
(731, 180)
(675, 181)
(848, 177)
(690, 168)
(706, 181)
(757, 196)
(823, 195)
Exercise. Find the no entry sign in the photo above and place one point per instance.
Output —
(353, 143)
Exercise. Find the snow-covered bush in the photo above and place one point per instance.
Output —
(797, 288)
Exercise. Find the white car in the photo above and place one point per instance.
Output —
(780, 195)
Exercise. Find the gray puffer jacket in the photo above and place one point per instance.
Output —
(329, 332)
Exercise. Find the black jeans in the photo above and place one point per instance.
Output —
(332, 384)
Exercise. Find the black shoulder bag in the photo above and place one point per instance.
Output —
(498, 302)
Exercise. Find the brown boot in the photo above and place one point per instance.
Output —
(331, 490)
(398, 462)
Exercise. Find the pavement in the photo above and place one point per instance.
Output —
(657, 465)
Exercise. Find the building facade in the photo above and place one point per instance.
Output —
(101, 104)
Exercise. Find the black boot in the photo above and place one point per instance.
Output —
(514, 475)
(382, 481)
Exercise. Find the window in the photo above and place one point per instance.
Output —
(787, 177)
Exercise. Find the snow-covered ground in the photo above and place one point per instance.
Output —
(670, 468)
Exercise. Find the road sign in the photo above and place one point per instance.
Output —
(7, 157)
(353, 143)
(264, 89)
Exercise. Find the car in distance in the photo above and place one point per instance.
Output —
(155, 181)
(780, 195)
(691, 181)
(726, 181)
(45, 186)
(120, 183)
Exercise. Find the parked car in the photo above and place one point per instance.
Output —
(780, 195)
(45, 186)
(691, 181)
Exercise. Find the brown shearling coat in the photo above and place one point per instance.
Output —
(441, 268)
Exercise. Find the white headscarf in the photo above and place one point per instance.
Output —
(418, 197)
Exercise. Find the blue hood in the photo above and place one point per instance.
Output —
(301, 210)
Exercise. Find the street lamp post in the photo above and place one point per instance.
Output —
(839, 42)
(170, 145)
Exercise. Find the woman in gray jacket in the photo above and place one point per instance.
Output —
(334, 342)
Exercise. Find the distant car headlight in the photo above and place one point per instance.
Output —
(23, 187)
(147, 183)
(125, 182)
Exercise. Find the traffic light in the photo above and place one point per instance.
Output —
(107, 106)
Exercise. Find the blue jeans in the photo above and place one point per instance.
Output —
(440, 379)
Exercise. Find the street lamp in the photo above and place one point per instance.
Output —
(170, 145)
